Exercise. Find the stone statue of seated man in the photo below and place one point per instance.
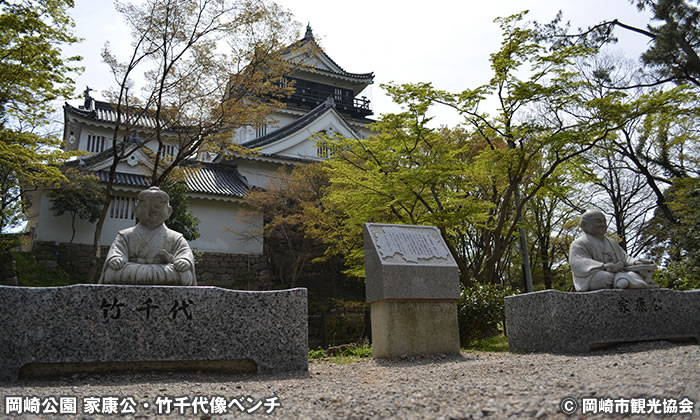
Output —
(150, 252)
(598, 262)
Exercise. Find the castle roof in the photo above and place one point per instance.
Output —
(200, 177)
(314, 59)
(105, 112)
(294, 126)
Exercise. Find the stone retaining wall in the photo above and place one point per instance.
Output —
(238, 271)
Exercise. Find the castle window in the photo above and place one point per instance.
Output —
(261, 130)
(324, 150)
(167, 152)
(96, 144)
(122, 207)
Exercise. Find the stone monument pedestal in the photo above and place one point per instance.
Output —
(414, 327)
(412, 284)
(552, 321)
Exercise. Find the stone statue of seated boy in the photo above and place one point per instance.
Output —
(150, 252)
(598, 262)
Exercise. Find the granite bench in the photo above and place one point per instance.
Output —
(563, 322)
(151, 327)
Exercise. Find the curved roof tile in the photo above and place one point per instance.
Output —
(208, 178)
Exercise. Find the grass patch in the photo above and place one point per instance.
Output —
(31, 274)
(317, 354)
(349, 353)
(498, 343)
(343, 354)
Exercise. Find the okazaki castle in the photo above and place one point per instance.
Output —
(327, 99)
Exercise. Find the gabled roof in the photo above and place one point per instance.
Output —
(106, 112)
(120, 178)
(200, 177)
(330, 67)
(212, 178)
(128, 146)
(295, 126)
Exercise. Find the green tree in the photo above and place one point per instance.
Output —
(32, 74)
(673, 34)
(181, 220)
(653, 158)
(648, 154)
(79, 195)
(196, 93)
(467, 182)
(678, 244)
(286, 204)
(544, 122)
(675, 39)
(408, 173)
(546, 220)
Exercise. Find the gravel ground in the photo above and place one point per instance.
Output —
(470, 385)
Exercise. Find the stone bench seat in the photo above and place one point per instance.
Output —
(562, 322)
(152, 326)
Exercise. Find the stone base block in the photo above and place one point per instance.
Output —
(405, 327)
(560, 322)
(151, 327)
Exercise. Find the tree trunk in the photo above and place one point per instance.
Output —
(96, 249)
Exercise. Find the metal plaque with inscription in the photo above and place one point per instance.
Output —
(412, 243)
(406, 261)
(401, 244)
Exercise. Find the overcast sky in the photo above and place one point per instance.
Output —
(444, 42)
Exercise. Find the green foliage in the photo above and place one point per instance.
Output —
(31, 274)
(32, 70)
(182, 220)
(673, 36)
(317, 354)
(198, 255)
(362, 350)
(678, 276)
(10, 241)
(679, 241)
(347, 353)
(466, 182)
(288, 203)
(674, 48)
(408, 173)
(498, 343)
(78, 194)
(32, 74)
(481, 311)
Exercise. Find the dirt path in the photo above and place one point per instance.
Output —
(471, 385)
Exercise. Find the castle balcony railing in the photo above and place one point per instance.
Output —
(310, 97)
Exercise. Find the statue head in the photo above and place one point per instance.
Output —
(593, 223)
(153, 207)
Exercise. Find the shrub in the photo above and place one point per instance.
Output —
(9, 241)
(317, 354)
(481, 311)
(31, 274)
(678, 276)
